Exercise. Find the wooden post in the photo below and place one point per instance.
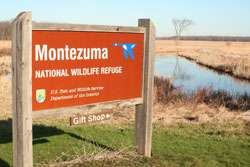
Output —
(144, 111)
(21, 90)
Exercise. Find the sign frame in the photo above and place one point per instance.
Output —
(89, 28)
(22, 28)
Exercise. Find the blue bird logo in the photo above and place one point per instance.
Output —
(127, 49)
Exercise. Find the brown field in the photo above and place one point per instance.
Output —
(5, 59)
(170, 113)
(229, 57)
(5, 84)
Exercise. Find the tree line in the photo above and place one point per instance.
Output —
(5, 34)
(5, 30)
(208, 38)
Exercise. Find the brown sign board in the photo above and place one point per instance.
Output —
(90, 118)
(71, 68)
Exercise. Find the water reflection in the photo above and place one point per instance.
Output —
(190, 76)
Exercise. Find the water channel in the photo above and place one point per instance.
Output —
(189, 76)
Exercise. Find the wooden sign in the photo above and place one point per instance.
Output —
(77, 68)
(90, 118)
(64, 65)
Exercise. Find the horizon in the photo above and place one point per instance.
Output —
(210, 17)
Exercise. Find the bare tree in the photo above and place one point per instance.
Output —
(180, 26)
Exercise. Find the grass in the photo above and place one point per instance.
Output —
(202, 146)
(227, 57)
(173, 145)
(237, 67)
(166, 93)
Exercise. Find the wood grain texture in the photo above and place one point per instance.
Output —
(21, 90)
(85, 27)
(69, 111)
(144, 111)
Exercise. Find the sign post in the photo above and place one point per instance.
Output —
(143, 115)
(66, 65)
(21, 91)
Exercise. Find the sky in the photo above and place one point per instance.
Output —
(210, 17)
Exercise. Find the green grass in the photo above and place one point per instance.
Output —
(178, 145)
